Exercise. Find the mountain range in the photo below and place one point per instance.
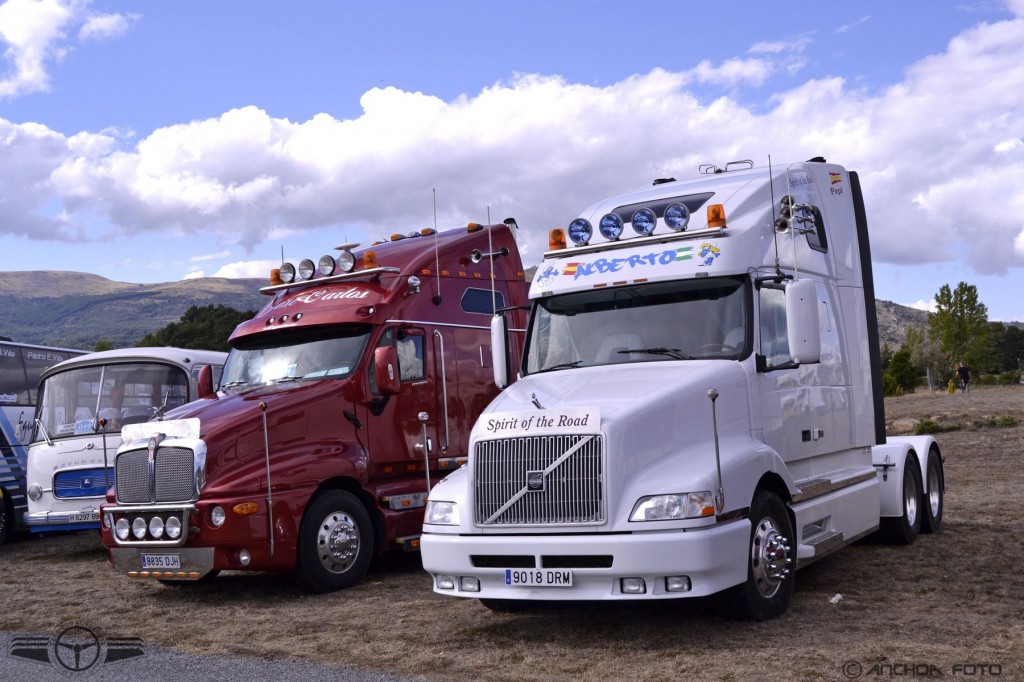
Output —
(75, 310)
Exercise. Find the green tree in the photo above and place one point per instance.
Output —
(103, 344)
(902, 371)
(924, 353)
(960, 325)
(1006, 343)
(201, 327)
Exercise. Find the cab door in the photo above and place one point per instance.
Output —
(395, 429)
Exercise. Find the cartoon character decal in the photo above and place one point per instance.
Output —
(709, 251)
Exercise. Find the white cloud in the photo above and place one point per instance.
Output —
(931, 150)
(200, 258)
(921, 304)
(30, 32)
(254, 268)
(106, 26)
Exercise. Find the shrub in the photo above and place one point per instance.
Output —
(927, 426)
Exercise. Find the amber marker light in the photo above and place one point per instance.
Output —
(370, 260)
(275, 276)
(474, 227)
(556, 239)
(246, 508)
(716, 216)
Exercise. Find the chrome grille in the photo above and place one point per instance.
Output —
(567, 487)
(175, 476)
(132, 477)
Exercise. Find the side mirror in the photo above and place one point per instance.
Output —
(802, 321)
(385, 370)
(499, 351)
(204, 384)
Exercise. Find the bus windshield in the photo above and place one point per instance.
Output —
(86, 400)
(704, 318)
(293, 356)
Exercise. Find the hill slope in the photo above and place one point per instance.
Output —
(75, 310)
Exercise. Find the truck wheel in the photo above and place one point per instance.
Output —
(335, 542)
(770, 575)
(932, 498)
(904, 530)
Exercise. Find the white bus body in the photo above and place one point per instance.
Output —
(83, 404)
(698, 411)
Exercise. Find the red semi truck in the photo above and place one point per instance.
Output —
(340, 402)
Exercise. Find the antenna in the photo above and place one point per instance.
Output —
(282, 253)
(437, 257)
(771, 187)
(490, 250)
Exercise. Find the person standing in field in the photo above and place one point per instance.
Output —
(964, 376)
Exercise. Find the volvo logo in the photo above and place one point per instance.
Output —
(534, 481)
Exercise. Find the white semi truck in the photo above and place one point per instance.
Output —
(699, 408)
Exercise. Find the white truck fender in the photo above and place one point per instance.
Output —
(889, 460)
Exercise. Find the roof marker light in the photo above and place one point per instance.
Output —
(716, 216)
(580, 231)
(370, 260)
(644, 221)
(474, 227)
(556, 239)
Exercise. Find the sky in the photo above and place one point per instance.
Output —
(159, 141)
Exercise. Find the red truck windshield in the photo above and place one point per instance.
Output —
(295, 355)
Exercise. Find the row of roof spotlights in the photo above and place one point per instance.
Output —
(644, 220)
(327, 266)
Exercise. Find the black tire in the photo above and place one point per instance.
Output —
(903, 530)
(932, 496)
(771, 570)
(335, 542)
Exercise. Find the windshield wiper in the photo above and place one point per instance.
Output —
(661, 350)
(234, 384)
(42, 430)
(561, 365)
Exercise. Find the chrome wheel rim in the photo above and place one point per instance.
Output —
(769, 557)
(910, 498)
(934, 496)
(337, 542)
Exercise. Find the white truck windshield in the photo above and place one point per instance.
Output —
(680, 320)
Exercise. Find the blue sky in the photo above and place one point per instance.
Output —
(155, 141)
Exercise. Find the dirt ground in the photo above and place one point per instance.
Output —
(950, 606)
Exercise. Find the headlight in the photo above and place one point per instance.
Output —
(346, 261)
(173, 527)
(442, 513)
(580, 231)
(287, 273)
(611, 226)
(122, 528)
(671, 507)
(35, 492)
(156, 527)
(677, 216)
(644, 221)
(326, 265)
(306, 269)
(217, 516)
(139, 527)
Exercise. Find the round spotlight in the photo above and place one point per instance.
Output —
(156, 527)
(173, 527)
(644, 221)
(121, 528)
(346, 261)
(287, 273)
(326, 265)
(580, 231)
(677, 216)
(611, 226)
(139, 527)
(305, 269)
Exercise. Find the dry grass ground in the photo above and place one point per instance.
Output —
(950, 601)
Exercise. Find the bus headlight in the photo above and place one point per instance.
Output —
(35, 491)
(441, 513)
(672, 507)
